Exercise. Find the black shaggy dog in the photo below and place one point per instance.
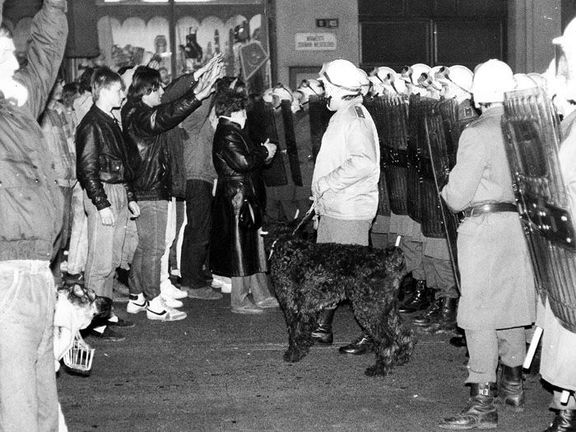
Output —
(308, 277)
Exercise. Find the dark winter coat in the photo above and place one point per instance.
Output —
(235, 245)
(31, 203)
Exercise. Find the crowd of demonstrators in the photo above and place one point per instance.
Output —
(58, 123)
(91, 172)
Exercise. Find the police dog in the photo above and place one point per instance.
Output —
(308, 277)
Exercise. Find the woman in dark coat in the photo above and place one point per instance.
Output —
(237, 249)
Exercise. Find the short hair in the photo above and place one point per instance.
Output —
(104, 77)
(69, 92)
(145, 81)
(85, 80)
(231, 96)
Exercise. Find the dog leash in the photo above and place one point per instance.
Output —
(309, 215)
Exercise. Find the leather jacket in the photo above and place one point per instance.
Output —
(31, 202)
(102, 156)
(144, 129)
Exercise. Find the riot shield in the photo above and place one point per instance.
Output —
(394, 151)
(263, 124)
(319, 119)
(419, 165)
(376, 106)
(532, 144)
(438, 220)
(290, 140)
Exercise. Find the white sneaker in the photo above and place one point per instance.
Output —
(173, 292)
(158, 311)
(222, 282)
(226, 288)
(171, 302)
(137, 303)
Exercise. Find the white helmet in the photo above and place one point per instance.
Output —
(411, 74)
(385, 74)
(491, 80)
(462, 77)
(524, 82)
(308, 87)
(344, 75)
(376, 86)
(280, 93)
(268, 96)
(392, 82)
(342, 80)
(456, 80)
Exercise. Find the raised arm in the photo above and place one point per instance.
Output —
(48, 35)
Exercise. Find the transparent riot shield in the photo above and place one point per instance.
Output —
(394, 151)
(290, 140)
(263, 123)
(376, 106)
(532, 146)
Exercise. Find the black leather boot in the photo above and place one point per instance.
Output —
(564, 421)
(420, 301)
(446, 321)
(459, 340)
(407, 287)
(430, 316)
(480, 412)
(358, 346)
(511, 388)
(323, 333)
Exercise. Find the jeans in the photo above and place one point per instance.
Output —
(169, 238)
(105, 242)
(176, 248)
(151, 227)
(28, 397)
(196, 233)
(78, 249)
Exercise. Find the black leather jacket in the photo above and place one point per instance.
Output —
(102, 156)
(144, 128)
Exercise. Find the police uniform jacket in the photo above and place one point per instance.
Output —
(496, 275)
(31, 203)
(347, 168)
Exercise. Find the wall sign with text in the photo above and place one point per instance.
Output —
(315, 41)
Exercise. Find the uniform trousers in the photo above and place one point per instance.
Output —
(486, 346)
(331, 230)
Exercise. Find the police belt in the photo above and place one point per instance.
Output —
(490, 208)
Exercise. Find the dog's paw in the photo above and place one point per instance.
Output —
(376, 370)
(293, 355)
